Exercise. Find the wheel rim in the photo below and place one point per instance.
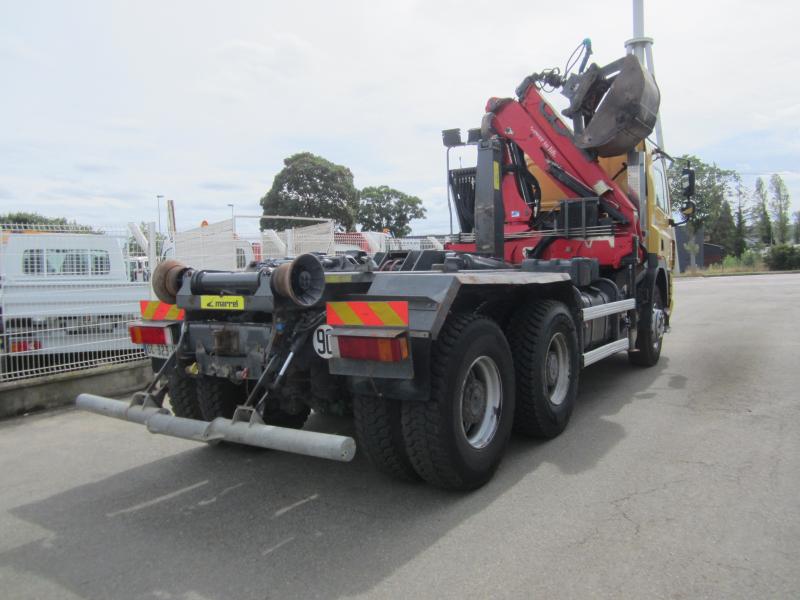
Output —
(481, 402)
(557, 369)
(657, 325)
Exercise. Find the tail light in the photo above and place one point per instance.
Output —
(142, 334)
(371, 348)
(25, 345)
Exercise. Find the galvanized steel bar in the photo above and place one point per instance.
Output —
(602, 352)
(310, 443)
(603, 310)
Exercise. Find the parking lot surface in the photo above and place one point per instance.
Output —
(679, 481)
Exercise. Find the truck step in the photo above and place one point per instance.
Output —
(602, 352)
(603, 310)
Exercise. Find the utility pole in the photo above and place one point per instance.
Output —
(642, 48)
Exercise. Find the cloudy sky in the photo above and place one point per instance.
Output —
(104, 105)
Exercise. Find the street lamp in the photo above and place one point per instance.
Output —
(158, 208)
(231, 205)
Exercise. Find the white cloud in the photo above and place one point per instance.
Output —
(202, 102)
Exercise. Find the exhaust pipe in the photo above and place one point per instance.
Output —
(249, 433)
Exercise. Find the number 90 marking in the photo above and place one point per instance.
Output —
(322, 341)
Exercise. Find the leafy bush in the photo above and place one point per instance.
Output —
(748, 262)
(750, 259)
(783, 258)
(731, 262)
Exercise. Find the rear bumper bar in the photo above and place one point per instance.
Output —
(250, 433)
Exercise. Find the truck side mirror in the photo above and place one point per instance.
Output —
(687, 179)
(687, 211)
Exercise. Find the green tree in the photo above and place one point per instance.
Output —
(23, 220)
(311, 186)
(779, 205)
(712, 185)
(722, 230)
(797, 227)
(761, 214)
(10, 220)
(28, 218)
(782, 257)
(386, 208)
(740, 224)
(712, 211)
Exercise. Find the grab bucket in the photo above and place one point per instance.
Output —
(626, 114)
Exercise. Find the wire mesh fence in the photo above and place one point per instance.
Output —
(429, 242)
(67, 295)
(324, 238)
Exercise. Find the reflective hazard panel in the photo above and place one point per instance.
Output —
(153, 310)
(393, 313)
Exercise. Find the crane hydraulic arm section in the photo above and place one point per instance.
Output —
(529, 127)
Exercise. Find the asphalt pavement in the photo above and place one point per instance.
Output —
(678, 481)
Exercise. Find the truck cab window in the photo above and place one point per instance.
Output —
(33, 261)
(659, 184)
(101, 263)
(67, 261)
(76, 262)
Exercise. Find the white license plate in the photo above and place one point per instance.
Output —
(158, 350)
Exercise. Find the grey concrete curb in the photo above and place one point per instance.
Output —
(49, 391)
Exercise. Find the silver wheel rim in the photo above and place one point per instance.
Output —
(557, 369)
(481, 402)
(658, 326)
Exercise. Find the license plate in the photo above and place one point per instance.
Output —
(222, 302)
(158, 351)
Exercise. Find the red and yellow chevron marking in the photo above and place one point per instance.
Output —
(153, 310)
(393, 313)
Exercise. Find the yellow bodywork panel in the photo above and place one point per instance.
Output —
(552, 194)
(222, 302)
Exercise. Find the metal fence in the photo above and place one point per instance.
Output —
(323, 237)
(234, 243)
(67, 295)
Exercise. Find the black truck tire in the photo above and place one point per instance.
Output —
(544, 343)
(217, 397)
(457, 438)
(650, 335)
(379, 433)
(182, 391)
